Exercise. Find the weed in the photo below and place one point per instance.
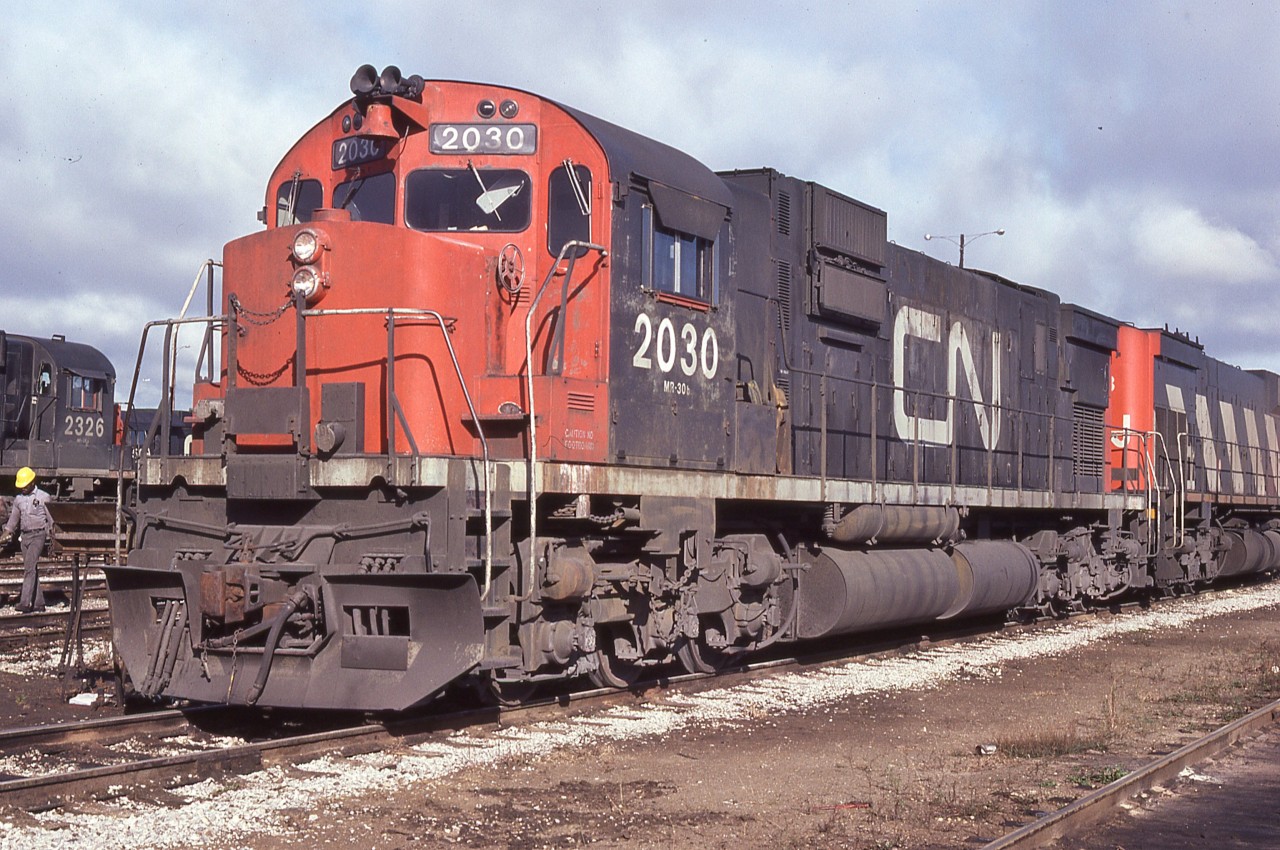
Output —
(1110, 713)
(1050, 744)
(1097, 778)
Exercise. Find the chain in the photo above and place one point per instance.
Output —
(253, 317)
(261, 319)
(262, 379)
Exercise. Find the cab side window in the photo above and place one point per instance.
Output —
(568, 207)
(677, 262)
(85, 393)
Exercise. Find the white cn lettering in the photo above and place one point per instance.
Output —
(1233, 447)
(1207, 448)
(1273, 446)
(1251, 436)
(926, 326)
(1178, 405)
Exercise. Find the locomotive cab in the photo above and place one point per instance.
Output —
(429, 334)
(58, 399)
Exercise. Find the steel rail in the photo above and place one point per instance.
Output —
(19, 627)
(1100, 804)
(92, 731)
(49, 791)
(37, 793)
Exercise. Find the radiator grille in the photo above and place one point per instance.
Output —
(1087, 441)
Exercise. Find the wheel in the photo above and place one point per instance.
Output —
(697, 657)
(511, 692)
(611, 671)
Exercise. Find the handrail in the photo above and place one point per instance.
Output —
(163, 411)
(1179, 491)
(205, 357)
(394, 314)
(1231, 463)
(575, 245)
(1015, 414)
(1146, 454)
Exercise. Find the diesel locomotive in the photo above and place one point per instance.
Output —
(508, 394)
(60, 419)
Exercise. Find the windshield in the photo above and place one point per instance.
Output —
(469, 198)
(370, 198)
(296, 200)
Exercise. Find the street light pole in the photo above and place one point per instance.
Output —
(960, 240)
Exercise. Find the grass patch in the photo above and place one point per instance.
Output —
(1050, 745)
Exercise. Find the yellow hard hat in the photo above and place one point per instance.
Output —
(25, 476)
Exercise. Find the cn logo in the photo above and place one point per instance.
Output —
(913, 326)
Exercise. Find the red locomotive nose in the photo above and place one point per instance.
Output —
(347, 275)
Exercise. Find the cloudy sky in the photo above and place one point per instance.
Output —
(1128, 149)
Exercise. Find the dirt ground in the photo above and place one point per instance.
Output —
(890, 771)
(896, 771)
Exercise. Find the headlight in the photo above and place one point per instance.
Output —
(307, 282)
(306, 246)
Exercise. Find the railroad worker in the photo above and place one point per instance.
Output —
(29, 514)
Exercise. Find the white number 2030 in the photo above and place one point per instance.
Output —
(689, 351)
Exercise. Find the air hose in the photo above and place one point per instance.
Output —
(297, 600)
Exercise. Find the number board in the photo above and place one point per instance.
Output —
(484, 138)
(357, 150)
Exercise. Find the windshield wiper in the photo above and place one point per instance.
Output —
(351, 193)
(491, 199)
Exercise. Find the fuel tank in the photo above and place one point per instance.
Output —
(994, 576)
(843, 592)
(1251, 552)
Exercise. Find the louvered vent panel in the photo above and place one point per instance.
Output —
(1087, 441)
(586, 402)
(784, 294)
(784, 214)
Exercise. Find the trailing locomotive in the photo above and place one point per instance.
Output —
(510, 394)
(60, 419)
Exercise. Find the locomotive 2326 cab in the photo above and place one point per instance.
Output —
(510, 394)
(58, 417)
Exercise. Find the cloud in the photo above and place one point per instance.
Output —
(1125, 148)
(1178, 242)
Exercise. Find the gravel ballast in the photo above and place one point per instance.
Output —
(249, 810)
